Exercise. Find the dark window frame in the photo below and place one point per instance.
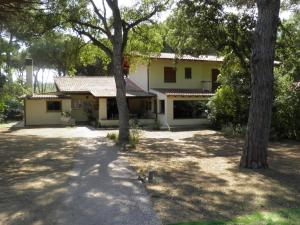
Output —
(182, 111)
(169, 75)
(54, 110)
(188, 73)
(112, 111)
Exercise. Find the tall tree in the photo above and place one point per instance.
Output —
(262, 77)
(110, 33)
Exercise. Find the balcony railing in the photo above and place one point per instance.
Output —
(206, 86)
(209, 86)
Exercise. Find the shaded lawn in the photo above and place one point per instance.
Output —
(33, 176)
(199, 179)
(280, 217)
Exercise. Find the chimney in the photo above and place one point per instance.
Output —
(29, 73)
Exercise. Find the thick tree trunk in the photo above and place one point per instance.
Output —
(121, 100)
(117, 55)
(263, 51)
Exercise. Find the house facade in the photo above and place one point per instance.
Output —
(173, 91)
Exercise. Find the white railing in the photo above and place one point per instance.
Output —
(206, 85)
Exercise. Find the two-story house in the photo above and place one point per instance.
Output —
(173, 90)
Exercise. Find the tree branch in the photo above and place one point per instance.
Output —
(102, 18)
(95, 41)
(142, 19)
(90, 26)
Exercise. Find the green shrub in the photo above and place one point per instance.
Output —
(2, 118)
(113, 136)
(134, 137)
(135, 134)
(228, 106)
(286, 110)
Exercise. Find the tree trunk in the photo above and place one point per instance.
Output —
(121, 99)
(8, 59)
(262, 63)
(117, 57)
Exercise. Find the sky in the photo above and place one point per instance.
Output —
(50, 74)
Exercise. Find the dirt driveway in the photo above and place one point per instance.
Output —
(51, 176)
(198, 176)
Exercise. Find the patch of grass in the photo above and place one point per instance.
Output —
(134, 138)
(280, 217)
(8, 124)
(113, 136)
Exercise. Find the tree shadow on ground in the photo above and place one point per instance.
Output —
(199, 177)
(67, 181)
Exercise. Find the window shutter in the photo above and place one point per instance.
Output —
(169, 75)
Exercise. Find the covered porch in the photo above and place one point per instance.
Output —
(141, 109)
(182, 107)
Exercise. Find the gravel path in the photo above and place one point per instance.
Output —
(105, 191)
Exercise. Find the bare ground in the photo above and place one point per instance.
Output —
(50, 176)
(198, 176)
(33, 177)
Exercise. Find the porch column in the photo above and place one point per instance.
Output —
(102, 109)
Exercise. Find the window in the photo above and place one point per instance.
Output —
(162, 106)
(112, 109)
(53, 106)
(192, 109)
(170, 75)
(188, 73)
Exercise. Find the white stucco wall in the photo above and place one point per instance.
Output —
(36, 112)
(162, 118)
(139, 76)
(102, 109)
(78, 113)
(201, 71)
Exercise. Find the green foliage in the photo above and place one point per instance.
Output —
(279, 217)
(286, 110)
(145, 39)
(135, 134)
(288, 47)
(11, 103)
(227, 106)
(113, 136)
(56, 51)
(201, 26)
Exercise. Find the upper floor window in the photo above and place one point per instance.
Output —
(188, 73)
(53, 106)
(170, 75)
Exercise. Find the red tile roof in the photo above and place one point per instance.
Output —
(97, 86)
(209, 58)
(50, 95)
(183, 92)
